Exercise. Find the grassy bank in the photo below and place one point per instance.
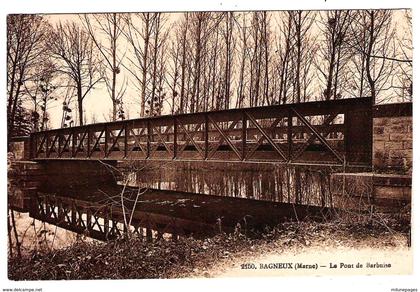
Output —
(136, 259)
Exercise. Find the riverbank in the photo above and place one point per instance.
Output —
(221, 255)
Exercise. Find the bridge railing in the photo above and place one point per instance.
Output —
(334, 132)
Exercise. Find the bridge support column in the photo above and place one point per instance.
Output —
(393, 138)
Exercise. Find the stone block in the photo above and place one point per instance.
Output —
(18, 149)
(379, 146)
(352, 184)
(382, 137)
(409, 136)
(400, 137)
(380, 159)
(394, 145)
(400, 127)
(394, 163)
(400, 153)
(408, 145)
(378, 130)
(395, 180)
(407, 120)
(381, 122)
(389, 192)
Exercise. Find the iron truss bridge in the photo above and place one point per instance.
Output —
(337, 132)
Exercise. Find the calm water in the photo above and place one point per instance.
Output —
(301, 185)
(269, 183)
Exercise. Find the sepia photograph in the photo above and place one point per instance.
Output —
(208, 144)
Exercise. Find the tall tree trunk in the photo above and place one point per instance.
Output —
(144, 69)
(80, 103)
(228, 61)
(155, 57)
(337, 71)
(328, 90)
(114, 65)
(371, 81)
(183, 65)
(197, 65)
(266, 58)
(299, 57)
(14, 106)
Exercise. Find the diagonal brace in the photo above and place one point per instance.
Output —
(266, 136)
(319, 136)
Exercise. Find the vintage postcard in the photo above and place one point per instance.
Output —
(221, 143)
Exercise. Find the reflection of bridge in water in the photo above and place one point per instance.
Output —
(99, 213)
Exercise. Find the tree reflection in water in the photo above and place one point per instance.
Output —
(291, 184)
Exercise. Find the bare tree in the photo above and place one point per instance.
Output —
(198, 44)
(179, 60)
(200, 22)
(106, 33)
(147, 35)
(256, 60)
(173, 73)
(373, 34)
(228, 32)
(138, 32)
(293, 73)
(183, 63)
(284, 46)
(302, 60)
(334, 51)
(26, 35)
(405, 56)
(265, 43)
(243, 59)
(74, 51)
(157, 47)
(41, 91)
(214, 73)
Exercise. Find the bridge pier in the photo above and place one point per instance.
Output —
(393, 138)
(388, 186)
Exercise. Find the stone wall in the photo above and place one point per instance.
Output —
(20, 148)
(360, 191)
(393, 138)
